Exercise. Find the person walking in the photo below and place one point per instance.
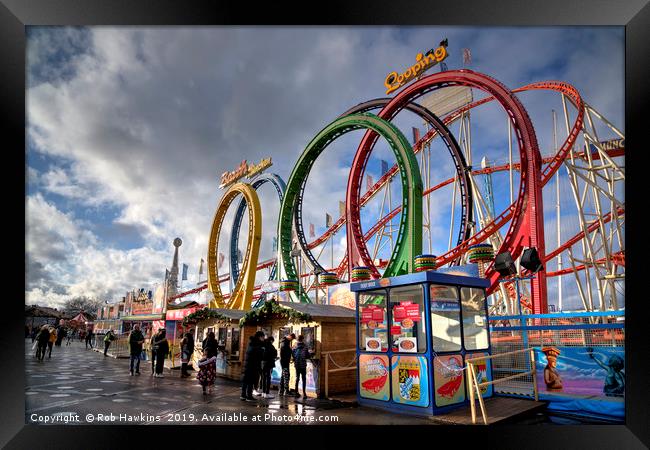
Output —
(300, 356)
(51, 341)
(268, 363)
(110, 337)
(152, 346)
(252, 365)
(187, 349)
(162, 349)
(136, 339)
(210, 343)
(60, 334)
(285, 361)
(89, 339)
(207, 372)
(42, 338)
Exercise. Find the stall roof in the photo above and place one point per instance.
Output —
(319, 312)
(421, 277)
(233, 314)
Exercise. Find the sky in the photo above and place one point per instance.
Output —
(129, 129)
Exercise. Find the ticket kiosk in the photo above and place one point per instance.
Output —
(414, 333)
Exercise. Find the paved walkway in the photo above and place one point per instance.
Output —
(82, 386)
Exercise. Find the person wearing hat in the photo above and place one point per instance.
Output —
(551, 375)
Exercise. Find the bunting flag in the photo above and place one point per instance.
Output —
(467, 56)
(275, 244)
(201, 267)
(384, 167)
(221, 258)
(341, 208)
(369, 182)
(185, 267)
(416, 135)
(312, 233)
(328, 220)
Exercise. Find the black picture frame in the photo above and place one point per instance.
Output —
(633, 14)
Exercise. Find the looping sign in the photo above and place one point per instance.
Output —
(244, 170)
(424, 62)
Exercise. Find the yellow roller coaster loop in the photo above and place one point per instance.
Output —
(242, 294)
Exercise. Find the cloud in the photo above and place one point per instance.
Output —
(139, 123)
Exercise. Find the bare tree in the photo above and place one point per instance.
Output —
(75, 305)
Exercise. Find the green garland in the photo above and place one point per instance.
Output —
(203, 314)
(271, 309)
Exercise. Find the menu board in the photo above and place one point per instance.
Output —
(448, 377)
(373, 377)
(410, 383)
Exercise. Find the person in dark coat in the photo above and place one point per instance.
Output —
(60, 334)
(252, 365)
(285, 361)
(210, 344)
(89, 338)
(43, 337)
(161, 347)
(300, 356)
(268, 363)
(187, 349)
(136, 339)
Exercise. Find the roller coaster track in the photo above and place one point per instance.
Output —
(454, 150)
(409, 240)
(241, 295)
(256, 183)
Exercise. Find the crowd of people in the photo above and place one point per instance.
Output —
(259, 360)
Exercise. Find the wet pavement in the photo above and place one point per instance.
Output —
(79, 386)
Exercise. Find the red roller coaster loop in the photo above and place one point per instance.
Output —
(526, 227)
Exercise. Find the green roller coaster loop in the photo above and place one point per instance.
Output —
(409, 238)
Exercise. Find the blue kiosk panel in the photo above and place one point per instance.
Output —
(414, 333)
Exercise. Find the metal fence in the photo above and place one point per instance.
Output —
(517, 332)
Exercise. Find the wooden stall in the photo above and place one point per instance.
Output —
(326, 329)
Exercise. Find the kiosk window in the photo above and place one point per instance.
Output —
(221, 338)
(445, 318)
(475, 327)
(407, 328)
(373, 324)
(234, 343)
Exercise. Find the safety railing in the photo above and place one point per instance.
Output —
(328, 359)
(523, 370)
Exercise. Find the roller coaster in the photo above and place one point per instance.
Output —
(594, 171)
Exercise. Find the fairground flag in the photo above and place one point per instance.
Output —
(328, 220)
(416, 134)
(185, 267)
(341, 208)
(201, 267)
(312, 233)
(369, 182)
(384, 167)
(467, 56)
(221, 258)
(275, 244)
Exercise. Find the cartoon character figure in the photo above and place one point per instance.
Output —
(615, 378)
(454, 372)
(551, 375)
